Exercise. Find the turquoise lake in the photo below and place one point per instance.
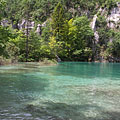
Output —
(67, 91)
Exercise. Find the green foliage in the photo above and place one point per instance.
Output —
(46, 32)
(58, 22)
(2, 6)
(83, 36)
(101, 21)
(67, 32)
(5, 34)
(34, 47)
(104, 32)
(114, 46)
(12, 50)
(110, 4)
(59, 26)
(40, 10)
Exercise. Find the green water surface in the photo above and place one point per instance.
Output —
(67, 91)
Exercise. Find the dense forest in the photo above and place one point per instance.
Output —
(72, 30)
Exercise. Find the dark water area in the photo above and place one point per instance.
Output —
(67, 91)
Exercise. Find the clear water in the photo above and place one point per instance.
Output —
(67, 91)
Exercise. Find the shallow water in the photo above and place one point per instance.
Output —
(67, 91)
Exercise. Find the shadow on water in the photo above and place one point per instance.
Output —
(16, 89)
(62, 111)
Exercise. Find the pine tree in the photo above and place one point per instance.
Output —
(58, 22)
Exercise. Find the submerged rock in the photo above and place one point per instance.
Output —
(42, 112)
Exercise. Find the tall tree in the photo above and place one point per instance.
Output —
(59, 30)
(26, 13)
(58, 22)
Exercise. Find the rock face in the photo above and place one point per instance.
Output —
(93, 23)
(31, 25)
(4, 23)
(93, 26)
(113, 19)
(39, 28)
(24, 24)
(113, 22)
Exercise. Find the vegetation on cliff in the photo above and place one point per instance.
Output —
(66, 33)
